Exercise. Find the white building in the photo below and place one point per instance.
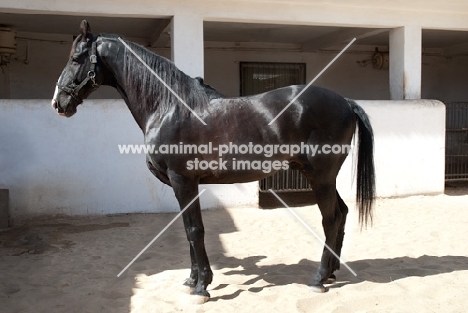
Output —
(53, 165)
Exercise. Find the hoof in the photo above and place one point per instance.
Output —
(199, 297)
(330, 280)
(200, 293)
(319, 288)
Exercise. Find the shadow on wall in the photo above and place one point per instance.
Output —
(17, 159)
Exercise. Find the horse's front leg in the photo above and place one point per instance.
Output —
(193, 278)
(185, 191)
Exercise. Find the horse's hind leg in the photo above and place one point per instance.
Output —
(339, 239)
(325, 192)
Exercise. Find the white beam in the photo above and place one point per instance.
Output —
(343, 35)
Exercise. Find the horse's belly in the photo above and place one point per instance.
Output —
(243, 175)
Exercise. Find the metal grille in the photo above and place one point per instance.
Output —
(285, 180)
(261, 77)
(456, 141)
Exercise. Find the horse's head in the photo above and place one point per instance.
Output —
(81, 75)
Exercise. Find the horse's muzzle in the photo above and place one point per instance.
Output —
(56, 106)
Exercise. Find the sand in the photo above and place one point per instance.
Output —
(413, 259)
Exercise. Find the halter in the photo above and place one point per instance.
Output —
(73, 89)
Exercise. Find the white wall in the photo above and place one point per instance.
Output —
(409, 149)
(54, 165)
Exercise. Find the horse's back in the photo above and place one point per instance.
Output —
(315, 107)
(311, 109)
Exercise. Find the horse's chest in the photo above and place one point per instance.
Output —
(159, 170)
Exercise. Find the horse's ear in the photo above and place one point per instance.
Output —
(85, 30)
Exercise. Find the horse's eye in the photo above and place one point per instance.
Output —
(75, 59)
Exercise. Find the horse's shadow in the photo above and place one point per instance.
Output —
(373, 270)
(258, 272)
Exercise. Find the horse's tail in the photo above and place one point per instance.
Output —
(365, 194)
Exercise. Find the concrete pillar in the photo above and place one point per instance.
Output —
(405, 62)
(187, 43)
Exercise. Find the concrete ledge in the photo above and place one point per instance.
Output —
(4, 208)
(409, 154)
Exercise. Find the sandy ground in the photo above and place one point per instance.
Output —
(413, 259)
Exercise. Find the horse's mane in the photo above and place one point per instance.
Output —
(209, 90)
(156, 96)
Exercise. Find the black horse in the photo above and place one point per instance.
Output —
(319, 117)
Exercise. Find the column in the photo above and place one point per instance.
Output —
(405, 62)
(187, 43)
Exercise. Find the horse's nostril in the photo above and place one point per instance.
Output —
(57, 107)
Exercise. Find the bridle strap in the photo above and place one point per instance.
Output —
(74, 90)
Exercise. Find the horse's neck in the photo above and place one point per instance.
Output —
(145, 94)
(115, 62)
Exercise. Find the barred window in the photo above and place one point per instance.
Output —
(261, 77)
